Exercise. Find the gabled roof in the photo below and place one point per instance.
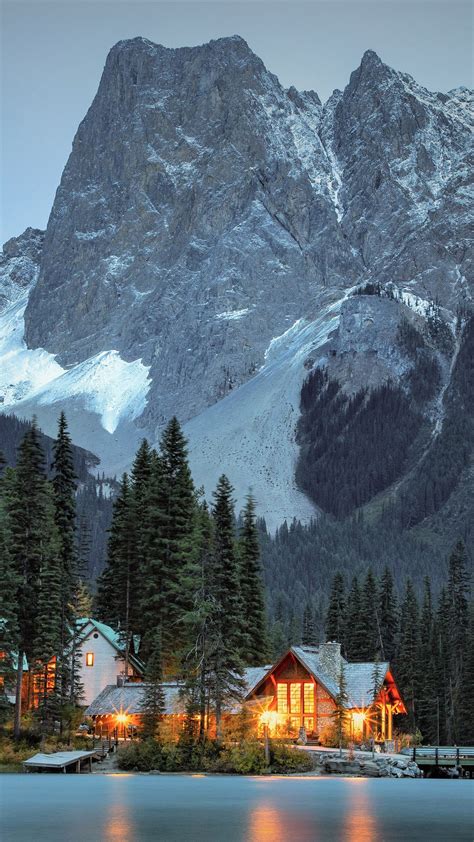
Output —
(87, 625)
(359, 677)
(360, 682)
(129, 699)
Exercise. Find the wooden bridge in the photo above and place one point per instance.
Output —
(461, 756)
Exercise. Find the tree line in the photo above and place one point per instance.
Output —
(185, 580)
(40, 570)
(182, 578)
(430, 647)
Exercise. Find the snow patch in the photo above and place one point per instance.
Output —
(111, 387)
(232, 315)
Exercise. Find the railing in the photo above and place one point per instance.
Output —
(441, 755)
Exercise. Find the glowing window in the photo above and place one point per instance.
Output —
(308, 722)
(309, 698)
(295, 698)
(282, 698)
(295, 723)
(89, 659)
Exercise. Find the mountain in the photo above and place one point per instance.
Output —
(204, 256)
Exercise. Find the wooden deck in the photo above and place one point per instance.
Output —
(61, 761)
(441, 755)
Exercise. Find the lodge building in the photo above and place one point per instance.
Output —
(299, 690)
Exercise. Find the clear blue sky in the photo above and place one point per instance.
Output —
(53, 54)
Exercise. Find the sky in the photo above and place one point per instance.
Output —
(53, 53)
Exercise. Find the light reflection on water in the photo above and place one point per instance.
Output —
(167, 808)
(360, 823)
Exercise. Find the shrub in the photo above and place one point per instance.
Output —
(244, 758)
(287, 759)
(141, 756)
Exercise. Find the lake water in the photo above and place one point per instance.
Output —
(170, 808)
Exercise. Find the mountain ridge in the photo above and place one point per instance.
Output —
(209, 232)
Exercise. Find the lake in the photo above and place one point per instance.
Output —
(175, 808)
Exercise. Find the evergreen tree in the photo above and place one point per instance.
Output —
(341, 714)
(336, 614)
(228, 633)
(387, 616)
(466, 707)
(309, 637)
(255, 648)
(48, 645)
(171, 504)
(64, 487)
(442, 650)
(458, 594)
(9, 631)
(153, 702)
(355, 630)
(28, 509)
(370, 622)
(278, 640)
(119, 587)
(426, 669)
(407, 661)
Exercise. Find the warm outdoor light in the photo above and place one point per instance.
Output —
(358, 719)
(269, 718)
(121, 718)
(89, 659)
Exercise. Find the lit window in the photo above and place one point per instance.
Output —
(295, 698)
(308, 722)
(309, 698)
(282, 698)
(89, 659)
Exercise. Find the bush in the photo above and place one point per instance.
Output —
(141, 756)
(287, 759)
(244, 758)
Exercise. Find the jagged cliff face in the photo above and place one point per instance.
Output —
(206, 234)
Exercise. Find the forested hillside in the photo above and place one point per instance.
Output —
(93, 496)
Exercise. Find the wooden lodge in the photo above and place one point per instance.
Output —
(298, 691)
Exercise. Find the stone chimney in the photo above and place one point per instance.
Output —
(330, 659)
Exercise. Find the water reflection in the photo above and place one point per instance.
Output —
(360, 823)
(273, 823)
(118, 824)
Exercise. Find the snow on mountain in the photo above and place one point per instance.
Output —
(250, 434)
(209, 228)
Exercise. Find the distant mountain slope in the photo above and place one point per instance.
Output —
(202, 252)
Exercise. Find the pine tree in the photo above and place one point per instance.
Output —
(153, 702)
(341, 714)
(370, 622)
(354, 636)
(458, 594)
(255, 648)
(336, 614)
(168, 596)
(227, 628)
(28, 509)
(427, 685)
(9, 631)
(309, 636)
(64, 487)
(48, 645)
(119, 587)
(407, 661)
(387, 616)
(442, 649)
(466, 707)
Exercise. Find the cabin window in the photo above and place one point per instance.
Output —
(295, 698)
(308, 722)
(309, 698)
(89, 659)
(282, 698)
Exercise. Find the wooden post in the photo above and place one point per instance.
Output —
(383, 721)
(78, 767)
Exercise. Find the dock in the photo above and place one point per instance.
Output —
(61, 761)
